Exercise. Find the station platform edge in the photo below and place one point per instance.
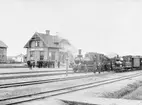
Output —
(83, 100)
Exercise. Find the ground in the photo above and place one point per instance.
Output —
(92, 93)
(50, 101)
(89, 94)
(135, 95)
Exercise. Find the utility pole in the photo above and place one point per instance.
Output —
(67, 65)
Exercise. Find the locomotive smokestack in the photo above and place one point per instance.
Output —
(79, 51)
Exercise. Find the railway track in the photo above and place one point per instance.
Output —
(31, 72)
(43, 81)
(46, 94)
(34, 75)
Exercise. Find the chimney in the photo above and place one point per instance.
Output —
(47, 32)
(79, 51)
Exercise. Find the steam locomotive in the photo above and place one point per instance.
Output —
(92, 62)
(127, 63)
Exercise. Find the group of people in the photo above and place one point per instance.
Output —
(31, 64)
(42, 64)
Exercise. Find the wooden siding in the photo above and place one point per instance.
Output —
(3, 54)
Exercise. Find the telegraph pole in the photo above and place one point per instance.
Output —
(67, 65)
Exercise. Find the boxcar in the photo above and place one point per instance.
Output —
(136, 62)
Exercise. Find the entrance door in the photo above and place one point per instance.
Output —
(52, 55)
(41, 55)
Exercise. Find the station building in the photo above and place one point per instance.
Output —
(43, 47)
(3, 52)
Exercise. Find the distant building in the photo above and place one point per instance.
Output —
(19, 58)
(10, 59)
(3, 52)
(43, 47)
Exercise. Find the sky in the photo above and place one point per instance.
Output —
(102, 26)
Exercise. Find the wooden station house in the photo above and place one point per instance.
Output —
(43, 47)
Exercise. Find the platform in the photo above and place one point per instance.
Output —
(6, 70)
(83, 100)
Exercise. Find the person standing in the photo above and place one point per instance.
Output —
(99, 67)
(94, 67)
(29, 65)
(58, 64)
(86, 68)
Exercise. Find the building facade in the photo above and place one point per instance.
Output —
(3, 52)
(43, 47)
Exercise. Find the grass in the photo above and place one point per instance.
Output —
(124, 91)
(135, 95)
(131, 91)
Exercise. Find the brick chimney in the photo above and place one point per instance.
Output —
(47, 32)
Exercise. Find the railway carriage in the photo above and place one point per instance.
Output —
(136, 62)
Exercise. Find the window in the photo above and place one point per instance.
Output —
(1, 51)
(41, 55)
(37, 43)
(52, 55)
(41, 44)
(33, 44)
(31, 53)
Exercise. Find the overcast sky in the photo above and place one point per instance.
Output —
(92, 25)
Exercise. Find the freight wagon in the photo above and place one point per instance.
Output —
(136, 62)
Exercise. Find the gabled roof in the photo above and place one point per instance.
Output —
(47, 39)
(2, 44)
